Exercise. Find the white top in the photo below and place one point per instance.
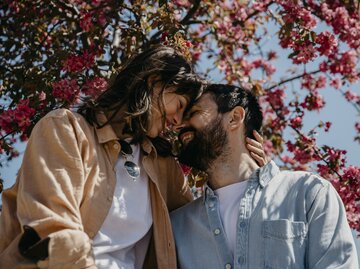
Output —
(124, 237)
(229, 200)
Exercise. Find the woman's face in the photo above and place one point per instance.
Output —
(171, 113)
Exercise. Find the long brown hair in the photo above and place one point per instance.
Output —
(131, 90)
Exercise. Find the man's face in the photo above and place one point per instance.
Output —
(203, 138)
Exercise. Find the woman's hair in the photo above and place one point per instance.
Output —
(132, 89)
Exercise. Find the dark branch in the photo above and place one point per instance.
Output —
(291, 79)
(191, 12)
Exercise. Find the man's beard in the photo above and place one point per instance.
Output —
(206, 146)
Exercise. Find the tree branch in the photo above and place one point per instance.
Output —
(191, 12)
(291, 79)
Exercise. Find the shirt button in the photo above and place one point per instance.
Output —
(228, 266)
(91, 234)
(242, 224)
(241, 260)
(211, 205)
(217, 231)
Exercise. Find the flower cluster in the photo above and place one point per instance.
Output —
(18, 118)
(66, 90)
(77, 63)
(94, 87)
(349, 191)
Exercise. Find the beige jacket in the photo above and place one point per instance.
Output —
(64, 191)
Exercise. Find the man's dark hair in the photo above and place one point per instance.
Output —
(131, 92)
(228, 96)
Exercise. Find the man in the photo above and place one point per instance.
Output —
(251, 217)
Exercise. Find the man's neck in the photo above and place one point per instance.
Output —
(230, 170)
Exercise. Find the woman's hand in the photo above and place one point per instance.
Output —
(256, 149)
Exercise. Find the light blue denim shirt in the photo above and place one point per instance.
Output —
(285, 220)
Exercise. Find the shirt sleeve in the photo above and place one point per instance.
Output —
(330, 241)
(51, 183)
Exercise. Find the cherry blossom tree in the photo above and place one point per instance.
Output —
(54, 52)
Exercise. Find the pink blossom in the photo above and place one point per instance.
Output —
(312, 83)
(328, 43)
(287, 159)
(67, 90)
(323, 170)
(352, 97)
(323, 67)
(42, 96)
(182, 3)
(76, 63)
(268, 147)
(94, 87)
(101, 18)
(296, 122)
(336, 83)
(276, 98)
(357, 127)
(313, 101)
(327, 126)
(269, 68)
(305, 52)
(86, 21)
(272, 55)
(18, 118)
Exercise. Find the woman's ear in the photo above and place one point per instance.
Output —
(236, 117)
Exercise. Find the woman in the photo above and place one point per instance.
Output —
(93, 191)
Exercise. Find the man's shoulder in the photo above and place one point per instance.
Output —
(188, 210)
(305, 184)
(302, 178)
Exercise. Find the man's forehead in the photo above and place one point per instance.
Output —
(205, 101)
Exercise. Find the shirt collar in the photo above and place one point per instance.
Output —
(262, 175)
(267, 172)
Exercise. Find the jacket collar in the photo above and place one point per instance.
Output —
(106, 134)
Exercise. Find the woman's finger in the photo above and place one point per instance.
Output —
(256, 150)
(258, 159)
(258, 137)
(254, 143)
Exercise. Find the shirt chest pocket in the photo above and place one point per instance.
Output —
(284, 244)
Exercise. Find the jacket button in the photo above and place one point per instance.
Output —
(91, 234)
(228, 266)
(116, 146)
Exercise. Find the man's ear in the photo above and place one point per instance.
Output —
(236, 117)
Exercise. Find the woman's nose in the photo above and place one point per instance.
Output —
(177, 120)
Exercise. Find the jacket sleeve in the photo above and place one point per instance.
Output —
(51, 183)
(330, 241)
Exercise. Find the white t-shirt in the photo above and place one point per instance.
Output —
(124, 237)
(229, 200)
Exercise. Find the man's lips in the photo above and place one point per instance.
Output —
(186, 137)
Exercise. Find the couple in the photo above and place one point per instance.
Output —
(95, 187)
